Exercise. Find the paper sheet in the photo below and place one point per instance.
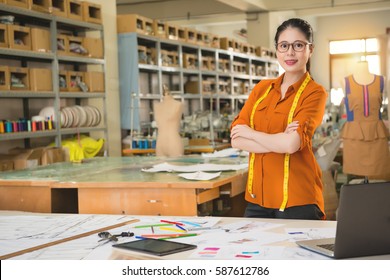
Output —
(167, 167)
(230, 152)
(200, 175)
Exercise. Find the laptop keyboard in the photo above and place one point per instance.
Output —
(329, 247)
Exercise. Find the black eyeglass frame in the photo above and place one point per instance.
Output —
(292, 45)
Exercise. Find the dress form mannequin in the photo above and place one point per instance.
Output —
(167, 115)
(361, 73)
(366, 151)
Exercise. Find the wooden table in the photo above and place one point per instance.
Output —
(117, 186)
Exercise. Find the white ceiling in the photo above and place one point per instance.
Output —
(186, 9)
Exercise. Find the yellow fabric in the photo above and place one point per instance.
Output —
(85, 147)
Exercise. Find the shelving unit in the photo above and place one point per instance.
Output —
(32, 101)
(205, 79)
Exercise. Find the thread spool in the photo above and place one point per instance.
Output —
(15, 126)
(8, 127)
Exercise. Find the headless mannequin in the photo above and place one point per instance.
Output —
(364, 135)
(167, 115)
(361, 73)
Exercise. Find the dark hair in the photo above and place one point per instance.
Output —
(303, 26)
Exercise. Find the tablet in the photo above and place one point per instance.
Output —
(158, 247)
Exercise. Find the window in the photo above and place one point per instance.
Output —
(344, 55)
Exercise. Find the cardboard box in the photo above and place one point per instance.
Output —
(75, 10)
(94, 47)
(223, 65)
(76, 46)
(40, 40)
(73, 76)
(199, 142)
(190, 61)
(200, 38)
(181, 33)
(237, 46)
(41, 79)
(214, 39)
(63, 80)
(26, 158)
(21, 74)
(159, 29)
(172, 32)
(19, 37)
(6, 163)
(59, 8)
(191, 87)
(142, 57)
(95, 81)
(226, 43)
(52, 155)
(17, 3)
(190, 35)
(4, 78)
(92, 12)
(39, 5)
(134, 23)
(208, 87)
(62, 44)
(3, 36)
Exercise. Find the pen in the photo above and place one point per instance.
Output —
(154, 225)
(179, 236)
(191, 223)
(202, 228)
(180, 227)
(170, 222)
(296, 232)
(167, 235)
(139, 237)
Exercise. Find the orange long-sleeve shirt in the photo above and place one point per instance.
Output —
(304, 186)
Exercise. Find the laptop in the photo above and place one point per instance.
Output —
(363, 223)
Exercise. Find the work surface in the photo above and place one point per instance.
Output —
(118, 186)
(228, 238)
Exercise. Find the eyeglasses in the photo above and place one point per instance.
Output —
(297, 46)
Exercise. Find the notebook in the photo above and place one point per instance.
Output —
(363, 223)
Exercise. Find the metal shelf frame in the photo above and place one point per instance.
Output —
(130, 70)
(54, 23)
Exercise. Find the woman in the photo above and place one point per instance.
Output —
(276, 126)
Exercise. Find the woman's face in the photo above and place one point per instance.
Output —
(291, 60)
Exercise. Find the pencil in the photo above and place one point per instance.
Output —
(172, 229)
(154, 225)
(179, 236)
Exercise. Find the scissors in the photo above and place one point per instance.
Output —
(106, 236)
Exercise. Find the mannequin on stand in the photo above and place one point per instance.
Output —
(168, 115)
(365, 137)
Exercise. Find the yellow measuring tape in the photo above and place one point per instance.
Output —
(287, 156)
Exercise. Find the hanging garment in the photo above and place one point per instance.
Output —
(365, 137)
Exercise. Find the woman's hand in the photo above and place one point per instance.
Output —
(291, 127)
(241, 130)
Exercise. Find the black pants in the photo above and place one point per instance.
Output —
(304, 212)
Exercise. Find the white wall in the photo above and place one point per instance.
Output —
(339, 27)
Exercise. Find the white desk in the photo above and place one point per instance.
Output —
(246, 238)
